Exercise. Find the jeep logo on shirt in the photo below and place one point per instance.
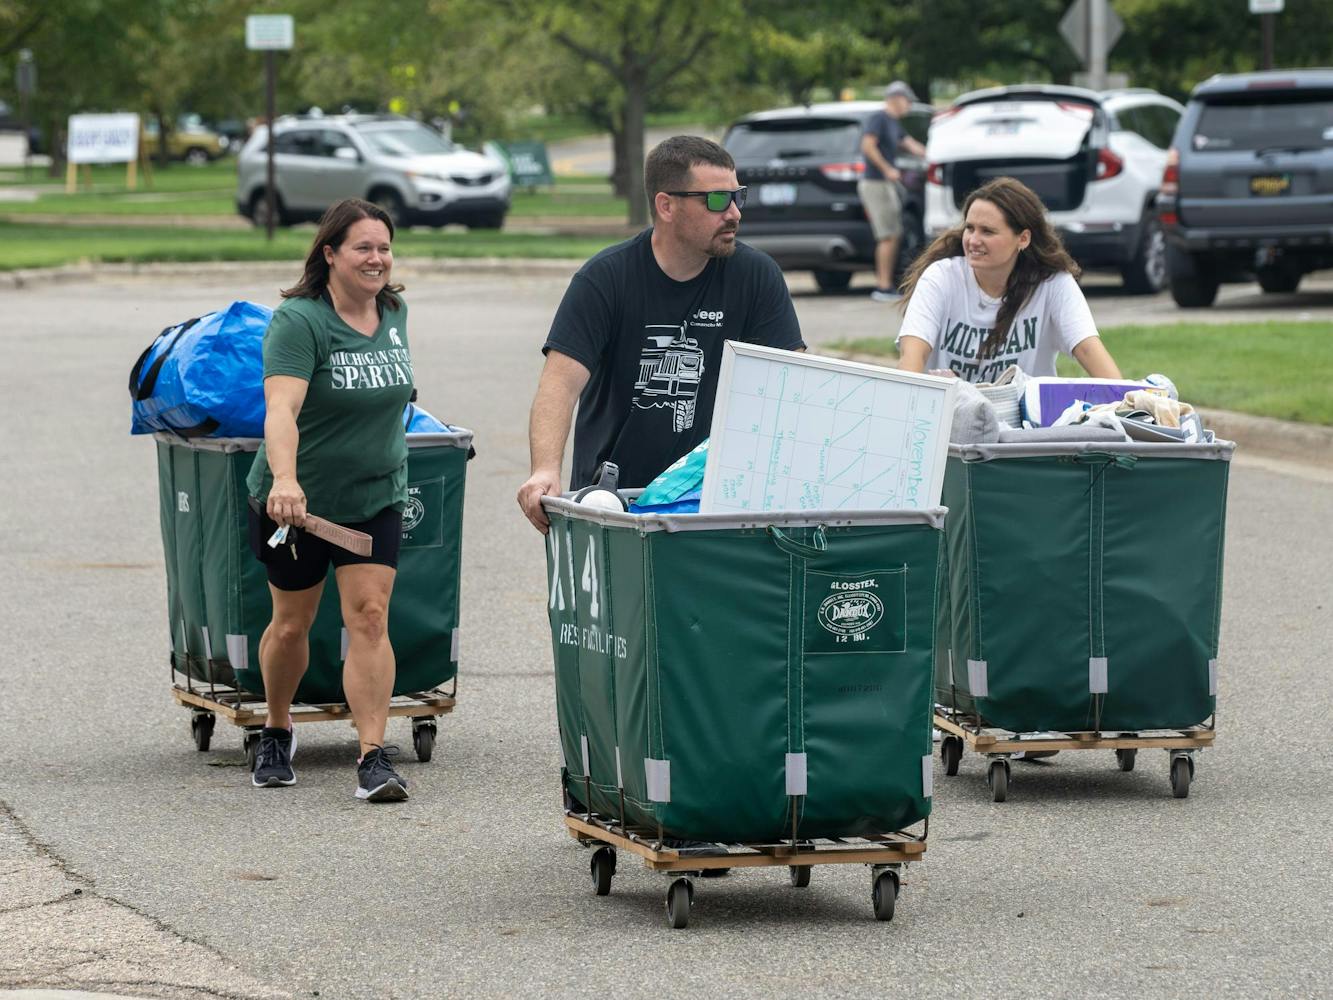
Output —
(707, 317)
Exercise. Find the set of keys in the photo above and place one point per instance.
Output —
(280, 536)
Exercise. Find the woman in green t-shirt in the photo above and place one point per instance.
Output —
(337, 374)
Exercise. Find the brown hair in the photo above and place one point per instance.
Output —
(1044, 256)
(669, 164)
(333, 226)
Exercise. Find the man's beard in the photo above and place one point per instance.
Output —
(717, 248)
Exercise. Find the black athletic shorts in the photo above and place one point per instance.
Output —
(303, 560)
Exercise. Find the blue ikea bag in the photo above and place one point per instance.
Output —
(204, 377)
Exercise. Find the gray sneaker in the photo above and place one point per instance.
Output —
(886, 295)
(273, 762)
(376, 780)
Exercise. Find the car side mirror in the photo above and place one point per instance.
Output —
(347, 153)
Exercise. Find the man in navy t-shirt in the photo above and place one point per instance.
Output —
(880, 187)
(637, 340)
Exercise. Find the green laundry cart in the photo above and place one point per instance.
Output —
(759, 685)
(1084, 601)
(218, 600)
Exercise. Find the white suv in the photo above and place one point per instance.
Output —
(1095, 158)
(405, 167)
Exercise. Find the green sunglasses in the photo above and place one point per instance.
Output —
(715, 201)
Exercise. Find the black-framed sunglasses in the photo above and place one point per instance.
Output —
(715, 201)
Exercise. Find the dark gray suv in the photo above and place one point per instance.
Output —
(801, 165)
(1248, 188)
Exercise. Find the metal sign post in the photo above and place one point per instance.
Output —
(1092, 27)
(270, 33)
(25, 82)
(1267, 11)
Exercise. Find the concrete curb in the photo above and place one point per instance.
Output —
(283, 269)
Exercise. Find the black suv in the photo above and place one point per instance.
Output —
(801, 165)
(1248, 189)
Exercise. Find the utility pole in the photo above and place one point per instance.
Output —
(1097, 44)
(25, 80)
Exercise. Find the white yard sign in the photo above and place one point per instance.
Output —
(799, 432)
(103, 138)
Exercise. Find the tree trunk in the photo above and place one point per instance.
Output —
(619, 161)
(163, 156)
(635, 101)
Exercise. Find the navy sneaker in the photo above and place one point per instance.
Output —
(273, 762)
(376, 780)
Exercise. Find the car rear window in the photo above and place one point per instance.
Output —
(795, 139)
(1300, 119)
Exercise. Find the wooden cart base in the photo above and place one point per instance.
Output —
(249, 711)
(999, 745)
(885, 854)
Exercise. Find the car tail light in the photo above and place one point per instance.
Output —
(1170, 189)
(1108, 165)
(939, 116)
(1280, 84)
(843, 171)
(1171, 175)
(935, 174)
(1085, 110)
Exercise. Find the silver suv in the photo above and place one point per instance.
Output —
(1248, 188)
(405, 167)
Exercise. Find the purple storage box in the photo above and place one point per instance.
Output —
(1046, 397)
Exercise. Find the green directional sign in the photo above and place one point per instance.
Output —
(529, 166)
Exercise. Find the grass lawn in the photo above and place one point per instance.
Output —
(48, 246)
(1278, 369)
(211, 190)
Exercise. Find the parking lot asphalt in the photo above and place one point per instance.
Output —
(1087, 882)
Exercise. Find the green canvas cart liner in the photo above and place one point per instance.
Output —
(1085, 585)
(736, 680)
(218, 601)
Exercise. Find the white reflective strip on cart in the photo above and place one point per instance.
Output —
(583, 745)
(658, 776)
(976, 678)
(927, 776)
(454, 642)
(620, 775)
(342, 645)
(796, 774)
(238, 651)
(1212, 678)
(1097, 674)
(560, 745)
(185, 639)
(208, 646)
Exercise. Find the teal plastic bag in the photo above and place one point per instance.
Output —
(685, 475)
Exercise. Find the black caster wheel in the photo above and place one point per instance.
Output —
(1126, 758)
(201, 727)
(1182, 772)
(251, 747)
(884, 895)
(800, 875)
(602, 866)
(951, 752)
(997, 776)
(679, 899)
(423, 741)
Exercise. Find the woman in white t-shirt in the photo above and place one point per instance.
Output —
(999, 290)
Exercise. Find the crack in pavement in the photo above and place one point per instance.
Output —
(56, 937)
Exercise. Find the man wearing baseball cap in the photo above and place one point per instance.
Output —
(881, 187)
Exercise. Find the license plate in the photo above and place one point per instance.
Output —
(774, 195)
(1269, 185)
(1003, 128)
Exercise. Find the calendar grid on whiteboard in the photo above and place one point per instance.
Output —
(800, 432)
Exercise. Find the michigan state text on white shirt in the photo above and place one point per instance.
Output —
(370, 369)
(950, 312)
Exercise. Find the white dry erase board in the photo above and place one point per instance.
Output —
(797, 431)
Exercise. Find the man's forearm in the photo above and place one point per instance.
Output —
(549, 424)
